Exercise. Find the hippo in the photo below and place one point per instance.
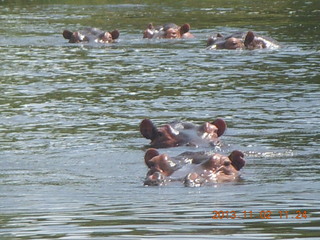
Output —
(183, 133)
(169, 31)
(241, 40)
(91, 35)
(192, 169)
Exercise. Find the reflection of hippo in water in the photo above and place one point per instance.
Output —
(182, 133)
(169, 30)
(192, 168)
(241, 41)
(91, 35)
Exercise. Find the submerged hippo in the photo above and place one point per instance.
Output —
(241, 40)
(183, 133)
(192, 169)
(169, 30)
(91, 35)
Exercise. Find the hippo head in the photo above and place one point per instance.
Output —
(218, 168)
(159, 167)
(91, 34)
(172, 135)
(74, 37)
(169, 31)
(108, 37)
(173, 31)
(238, 41)
(162, 137)
(220, 42)
(235, 161)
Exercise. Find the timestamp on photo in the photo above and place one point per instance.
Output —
(263, 214)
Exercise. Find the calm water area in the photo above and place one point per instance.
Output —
(71, 154)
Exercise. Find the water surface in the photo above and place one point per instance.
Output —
(71, 164)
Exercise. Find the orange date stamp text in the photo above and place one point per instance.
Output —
(263, 214)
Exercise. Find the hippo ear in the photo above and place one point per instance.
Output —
(67, 34)
(150, 153)
(249, 38)
(219, 35)
(221, 125)
(184, 28)
(210, 41)
(115, 34)
(148, 129)
(150, 26)
(237, 159)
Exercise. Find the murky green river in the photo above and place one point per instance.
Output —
(71, 155)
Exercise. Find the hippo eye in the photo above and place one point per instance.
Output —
(160, 134)
(227, 163)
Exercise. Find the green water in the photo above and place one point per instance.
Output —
(71, 160)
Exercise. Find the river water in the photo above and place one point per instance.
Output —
(71, 160)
